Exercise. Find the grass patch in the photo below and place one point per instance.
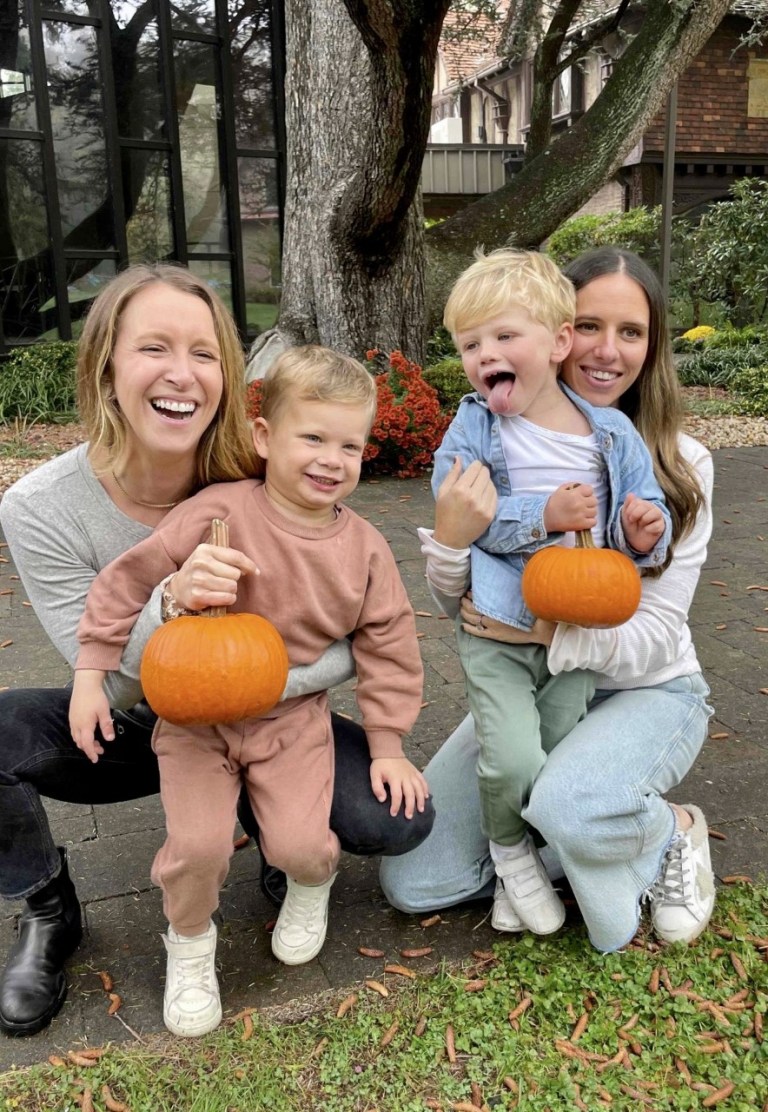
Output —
(660, 1027)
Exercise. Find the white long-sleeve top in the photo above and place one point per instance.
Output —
(655, 645)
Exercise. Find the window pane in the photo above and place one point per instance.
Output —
(147, 191)
(69, 7)
(217, 274)
(198, 112)
(85, 278)
(260, 225)
(78, 137)
(136, 64)
(193, 15)
(17, 102)
(251, 52)
(26, 274)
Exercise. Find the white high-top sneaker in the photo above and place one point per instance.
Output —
(300, 929)
(191, 1005)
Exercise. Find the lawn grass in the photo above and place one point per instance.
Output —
(536, 1024)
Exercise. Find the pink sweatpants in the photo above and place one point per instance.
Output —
(286, 761)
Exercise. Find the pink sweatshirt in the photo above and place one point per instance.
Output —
(317, 585)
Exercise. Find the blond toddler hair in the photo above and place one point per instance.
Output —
(315, 373)
(508, 278)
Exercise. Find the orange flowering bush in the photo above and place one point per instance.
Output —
(409, 423)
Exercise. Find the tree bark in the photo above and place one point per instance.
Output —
(573, 166)
(359, 80)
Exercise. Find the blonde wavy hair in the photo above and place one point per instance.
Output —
(654, 402)
(505, 279)
(225, 451)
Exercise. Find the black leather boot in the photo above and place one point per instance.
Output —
(33, 986)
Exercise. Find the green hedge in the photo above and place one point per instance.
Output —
(449, 380)
(719, 366)
(751, 386)
(37, 383)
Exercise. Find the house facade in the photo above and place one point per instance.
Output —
(721, 129)
(137, 130)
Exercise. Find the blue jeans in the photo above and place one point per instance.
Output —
(38, 758)
(597, 802)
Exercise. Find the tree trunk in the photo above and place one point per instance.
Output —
(359, 82)
(573, 166)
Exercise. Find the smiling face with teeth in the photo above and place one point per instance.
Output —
(314, 452)
(166, 371)
(610, 343)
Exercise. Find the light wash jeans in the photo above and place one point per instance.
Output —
(597, 802)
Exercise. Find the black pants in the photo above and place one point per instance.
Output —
(39, 758)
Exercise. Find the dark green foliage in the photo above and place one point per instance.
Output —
(449, 380)
(719, 366)
(637, 230)
(751, 386)
(440, 346)
(37, 383)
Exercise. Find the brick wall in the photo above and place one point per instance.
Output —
(610, 198)
(712, 102)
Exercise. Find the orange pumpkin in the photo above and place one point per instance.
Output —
(586, 586)
(215, 667)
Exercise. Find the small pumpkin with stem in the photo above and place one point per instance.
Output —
(198, 670)
(597, 588)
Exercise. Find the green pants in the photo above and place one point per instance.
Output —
(521, 712)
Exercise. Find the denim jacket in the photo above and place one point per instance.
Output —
(517, 530)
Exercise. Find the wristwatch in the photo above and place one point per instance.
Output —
(169, 607)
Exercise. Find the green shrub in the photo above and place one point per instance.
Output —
(719, 366)
(440, 346)
(751, 385)
(450, 382)
(637, 230)
(37, 383)
(738, 337)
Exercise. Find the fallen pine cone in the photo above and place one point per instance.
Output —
(369, 952)
(377, 986)
(111, 1103)
(106, 980)
(416, 952)
(347, 1003)
(401, 970)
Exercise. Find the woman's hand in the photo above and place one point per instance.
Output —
(465, 505)
(406, 784)
(541, 633)
(209, 577)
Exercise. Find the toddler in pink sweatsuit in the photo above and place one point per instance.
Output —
(319, 572)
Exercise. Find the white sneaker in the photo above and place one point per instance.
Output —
(191, 1005)
(504, 917)
(300, 929)
(529, 890)
(683, 896)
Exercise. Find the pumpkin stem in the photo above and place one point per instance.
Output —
(584, 538)
(219, 537)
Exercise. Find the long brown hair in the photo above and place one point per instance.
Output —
(225, 451)
(654, 401)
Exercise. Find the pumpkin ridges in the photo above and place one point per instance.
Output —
(214, 667)
(202, 671)
(586, 586)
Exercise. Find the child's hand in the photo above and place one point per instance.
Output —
(643, 523)
(209, 577)
(572, 507)
(465, 505)
(89, 708)
(406, 784)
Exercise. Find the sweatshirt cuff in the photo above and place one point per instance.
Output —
(105, 658)
(384, 743)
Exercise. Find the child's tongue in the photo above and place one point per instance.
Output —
(500, 397)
